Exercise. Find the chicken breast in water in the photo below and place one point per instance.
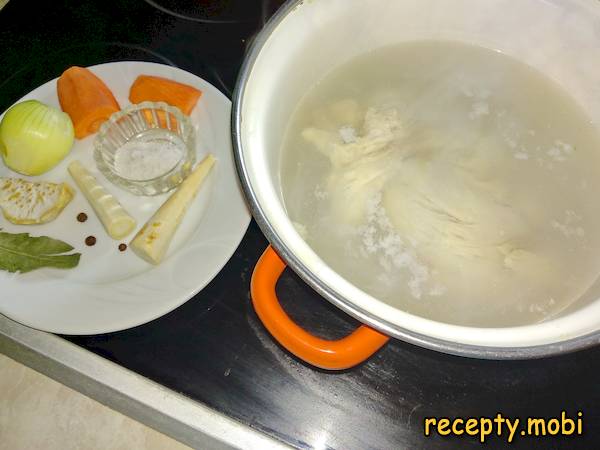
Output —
(422, 175)
(460, 222)
(443, 202)
(360, 165)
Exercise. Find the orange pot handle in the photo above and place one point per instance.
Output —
(332, 355)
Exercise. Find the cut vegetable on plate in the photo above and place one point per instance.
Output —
(26, 202)
(23, 253)
(153, 240)
(159, 89)
(34, 137)
(86, 99)
(116, 221)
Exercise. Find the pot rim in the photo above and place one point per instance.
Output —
(366, 317)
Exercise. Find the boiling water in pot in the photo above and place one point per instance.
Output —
(450, 181)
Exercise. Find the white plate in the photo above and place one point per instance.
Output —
(110, 290)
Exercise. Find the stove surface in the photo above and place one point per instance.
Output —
(213, 348)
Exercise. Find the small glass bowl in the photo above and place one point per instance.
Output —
(150, 123)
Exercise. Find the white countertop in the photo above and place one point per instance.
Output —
(37, 412)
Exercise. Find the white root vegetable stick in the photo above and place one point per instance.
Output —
(152, 241)
(115, 219)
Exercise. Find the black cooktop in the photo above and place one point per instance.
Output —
(213, 348)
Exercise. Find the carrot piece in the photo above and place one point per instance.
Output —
(158, 89)
(86, 99)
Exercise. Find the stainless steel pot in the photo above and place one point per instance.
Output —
(304, 41)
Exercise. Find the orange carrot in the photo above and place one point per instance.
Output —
(158, 89)
(86, 99)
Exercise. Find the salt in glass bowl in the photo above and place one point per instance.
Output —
(146, 124)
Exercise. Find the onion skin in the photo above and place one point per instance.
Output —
(35, 137)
